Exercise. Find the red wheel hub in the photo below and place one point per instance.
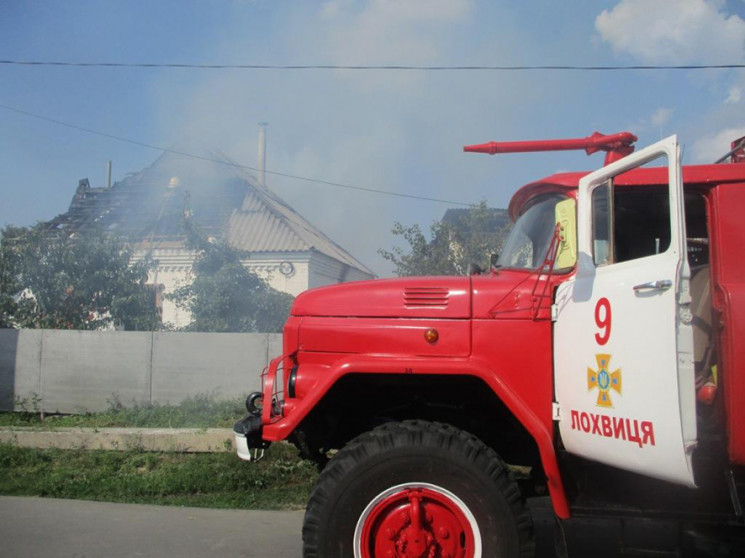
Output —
(417, 521)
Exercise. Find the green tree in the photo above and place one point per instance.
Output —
(227, 297)
(83, 281)
(468, 237)
(14, 306)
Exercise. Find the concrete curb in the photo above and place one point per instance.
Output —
(182, 440)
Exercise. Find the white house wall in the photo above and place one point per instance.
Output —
(174, 269)
(267, 266)
(309, 270)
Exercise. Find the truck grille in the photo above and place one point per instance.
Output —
(426, 297)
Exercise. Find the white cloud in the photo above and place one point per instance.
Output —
(394, 12)
(661, 116)
(713, 146)
(332, 9)
(654, 123)
(674, 31)
(735, 95)
(382, 32)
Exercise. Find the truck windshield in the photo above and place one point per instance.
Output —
(529, 239)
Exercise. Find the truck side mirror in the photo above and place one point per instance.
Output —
(475, 269)
(493, 259)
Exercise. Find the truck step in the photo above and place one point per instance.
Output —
(642, 538)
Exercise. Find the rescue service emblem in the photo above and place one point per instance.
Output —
(604, 380)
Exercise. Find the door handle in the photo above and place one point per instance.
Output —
(660, 285)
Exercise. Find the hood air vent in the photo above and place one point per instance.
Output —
(426, 297)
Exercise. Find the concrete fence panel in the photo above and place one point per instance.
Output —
(20, 368)
(274, 343)
(224, 365)
(76, 371)
(85, 370)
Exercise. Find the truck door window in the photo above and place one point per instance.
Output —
(641, 222)
(602, 232)
(629, 222)
(697, 232)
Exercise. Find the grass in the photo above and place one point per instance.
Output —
(201, 411)
(221, 480)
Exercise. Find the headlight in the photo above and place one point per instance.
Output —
(291, 382)
(255, 403)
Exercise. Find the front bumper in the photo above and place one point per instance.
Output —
(263, 407)
(247, 432)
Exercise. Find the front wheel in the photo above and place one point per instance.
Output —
(416, 489)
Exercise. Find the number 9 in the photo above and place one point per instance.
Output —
(603, 322)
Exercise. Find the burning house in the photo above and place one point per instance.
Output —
(148, 208)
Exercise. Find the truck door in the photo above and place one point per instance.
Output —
(624, 377)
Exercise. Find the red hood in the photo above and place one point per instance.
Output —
(411, 297)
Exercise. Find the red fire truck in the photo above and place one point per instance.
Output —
(597, 362)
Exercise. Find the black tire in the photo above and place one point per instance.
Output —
(399, 460)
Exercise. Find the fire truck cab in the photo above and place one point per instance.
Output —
(597, 362)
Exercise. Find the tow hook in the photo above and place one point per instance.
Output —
(248, 431)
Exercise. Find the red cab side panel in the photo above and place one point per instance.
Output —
(522, 349)
(728, 259)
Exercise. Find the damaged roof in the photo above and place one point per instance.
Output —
(265, 223)
(218, 195)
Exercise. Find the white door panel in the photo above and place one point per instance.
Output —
(624, 371)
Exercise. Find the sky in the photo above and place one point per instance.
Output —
(397, 131)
